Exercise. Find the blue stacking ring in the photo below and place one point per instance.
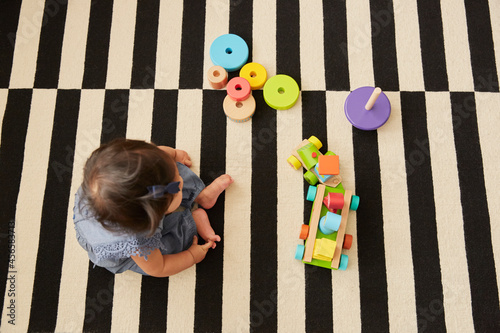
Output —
(229, 51)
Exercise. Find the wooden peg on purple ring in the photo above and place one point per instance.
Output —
(367, 108)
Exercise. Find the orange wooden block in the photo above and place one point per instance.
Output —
(328, 165)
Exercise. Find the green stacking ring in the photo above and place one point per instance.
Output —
(281, 92)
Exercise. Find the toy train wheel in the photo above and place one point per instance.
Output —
(347, 242)
(330, 153)
(354, 202)
(294, 162)
(311, 193)
(315, 141)
(299, 252)
(304, 231)
(344, 260)
(311, 178)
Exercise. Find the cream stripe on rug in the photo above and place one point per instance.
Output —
(488, 123)
(27, 40)
(264, 35)
(495, 28)
(449, 222)
(121, 44)
(30, 201)
(359, 43)
(168, 52)
(456, 45)
(345, 284)
(237, 233)
(291, 278)
(72, 295)
(181, 287)
(397, 235)
(74, 45)
(127, 292)
(217, 24)
(407, 32)
(312, 60)
(4, 94)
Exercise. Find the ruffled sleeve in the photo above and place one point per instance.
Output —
(133, 246)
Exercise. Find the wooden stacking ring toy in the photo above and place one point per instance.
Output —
(281, 92)
(239, 111)
(255, 74)
(238, 89)
(229, 51)
(217, 77)
(367, 108)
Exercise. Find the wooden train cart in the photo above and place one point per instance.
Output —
(324, 249)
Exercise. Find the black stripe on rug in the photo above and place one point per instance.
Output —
(318, 281)
(192, 45)
(163, 131)
(9, 18)
(101, 282)
(288, 39)
(482, 50)
(432, 45)
(145, 44)
(477, 227)
(50, 46)
(422, 209)
(14, 129)
(263, 215)
(370, 229)
(241, 22)
(154, 291)
(98, 37)
(385, 63)
(335, 45)
(209, 272)
(44, 303)
(154, 299)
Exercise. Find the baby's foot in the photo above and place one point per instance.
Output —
(208, 197)
(205, 230)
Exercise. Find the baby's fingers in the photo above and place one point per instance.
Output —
(207, 245)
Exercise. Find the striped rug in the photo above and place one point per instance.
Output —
(76, 73)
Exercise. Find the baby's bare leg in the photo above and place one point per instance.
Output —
(204, 228)
(208, 197)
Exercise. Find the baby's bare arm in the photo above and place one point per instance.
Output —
(178, 155)
(162, 265)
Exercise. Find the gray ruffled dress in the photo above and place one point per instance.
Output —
(113, 250)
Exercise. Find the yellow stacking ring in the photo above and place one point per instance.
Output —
(255, 73)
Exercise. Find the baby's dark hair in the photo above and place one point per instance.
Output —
(115, 184)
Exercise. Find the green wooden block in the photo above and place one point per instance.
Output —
(309, 155)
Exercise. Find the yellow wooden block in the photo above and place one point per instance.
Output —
(324, 249)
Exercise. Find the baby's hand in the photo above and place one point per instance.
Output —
(199, 251)
(183, 157)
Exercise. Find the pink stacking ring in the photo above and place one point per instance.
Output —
(238, 89)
